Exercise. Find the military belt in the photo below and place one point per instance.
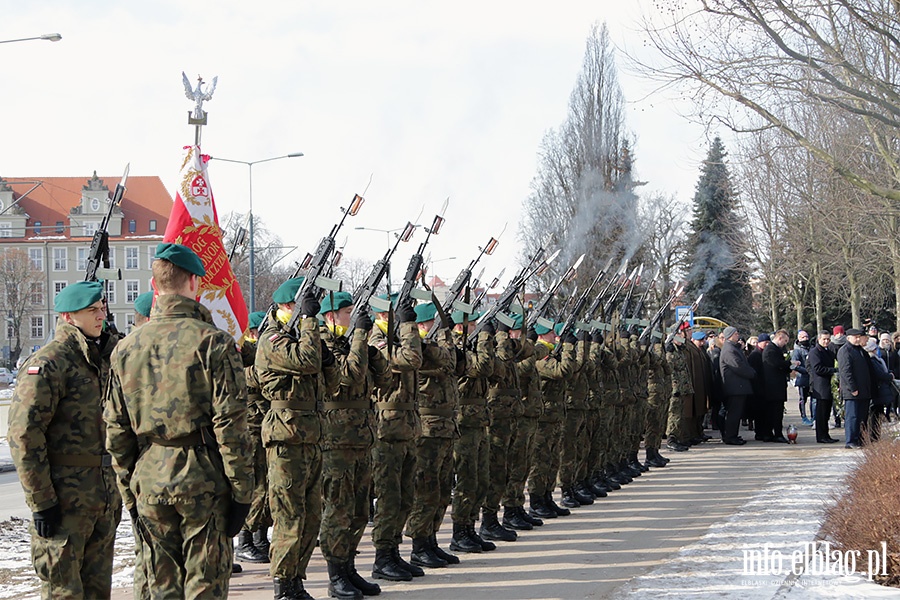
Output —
(203, 437)
(436, 412)
(395, 406)
(472, 401)
(79, 460)
(503, 392)
(353, 404)
(294, 404)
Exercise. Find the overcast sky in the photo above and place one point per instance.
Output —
(434, 101)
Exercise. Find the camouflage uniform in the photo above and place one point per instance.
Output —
(56, 438)
(611, 409)
(294, 379)
(260, 517)
(553, 372)
(175, 383)
(627, 360)
(682, 388)
(471, 450)
(397, 427)
(639, 387)
(348, 431)
(503, 407)
(659, 389)
(437, 401)
(522, 450)
(574, 439)
(597, 433)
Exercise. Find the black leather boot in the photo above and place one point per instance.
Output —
(491, 529)
(414, 570)
(598, 491)
(246, 551)
(290, 589)
(451, 559)
(654, 459)
(423, 555)
(261, 541)
(634, 463)
(366, 587)
(539, 507)
(485, 545)
(339, 585)
(462, 542)
(611, 485)
(535, 522)
(568, 497)
(387, 567)
(617, 477)
(628, 470)
(582, 496)
(512, 520)
(560, 512)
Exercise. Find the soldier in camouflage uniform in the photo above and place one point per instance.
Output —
(394, 457)
(659, 389)
(553, 371)
(295, 375)
(348, 431)
(471, 449)
(253, 540)
(179, 443)
(610, 412)
(682, 388)
(437, 403)
(574, 441)
(628, 367)
(639, 414)
(56, 439)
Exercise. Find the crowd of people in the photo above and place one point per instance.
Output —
(325, 417)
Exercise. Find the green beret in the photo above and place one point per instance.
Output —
(287, 290)
(336, 301)
(393, 298)
(77, 296)
(181, 256)
(458, 316)
(256, 319)
(143, 303)
(519, 320)
(540, 329)
(557, 329)
(425, 312)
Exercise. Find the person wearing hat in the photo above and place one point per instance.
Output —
(753, 408)
(659, 390)
(142, 306)
(611, 416)
(396, 429)
(437, 404)
(678, 433)
(348, 424)
(855, 383)
(821, 366)
(882, 390)
(296, 372)
(253, 539)
(470, 449)
(57, 441)
(182, 466)
(776, 369)
(798, 356)
(737, 385)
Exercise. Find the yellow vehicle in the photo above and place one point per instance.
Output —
(707, 323)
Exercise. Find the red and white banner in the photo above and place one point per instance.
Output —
(195, 224)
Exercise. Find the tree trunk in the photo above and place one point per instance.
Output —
(817, 285)
(773, 307)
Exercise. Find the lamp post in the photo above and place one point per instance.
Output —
(250, 164)
(50, 37)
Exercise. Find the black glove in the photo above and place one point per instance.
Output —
(373, 352)
(489, 327)
(584, 336)
(406, 313)
(364, 322)
(327, 361)
(501, 326)
(597, 337)
(134, 514)
(569, 338)
(47, 521)
(460, 356)
(309, 306)
(532, 334)
(237, 515)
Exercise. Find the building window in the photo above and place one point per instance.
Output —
(82, 259)
(60, 227)
(37, 293)
(132, 290)
(111, 292)
(36, 256)
(90, 228)
(60, 258)
(37, 227)
(37, 327)
(59, 286)
(131, 258)
(112, 257)
(132, 226)
(95, 205)
(151, 254)
(5, 230)
(129, 322)
(152, 225)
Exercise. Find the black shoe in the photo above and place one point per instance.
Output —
(634, 463)
(535, 522)
(462, 542)
(560, 512)
(852, 446)
(512, 520)
(568, 498)
(606, 477)
(491, 529)
(583, 497)
(387, 567)
(290, 589)
(485, 545)
(339, 585)
(246, 551)
(414, 570)
(630, 471)
(366, 587)
(236, 568)
(676, 446)
(451, 559)
(781, 440)
(261, 541)
(830, 440)
(539, 508)
(654, 459)
(597, 491)
(599, 488)
(734, 442)
(423, 555)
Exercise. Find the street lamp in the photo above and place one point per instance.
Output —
(250, 164)
(388, 232)
(50, 37)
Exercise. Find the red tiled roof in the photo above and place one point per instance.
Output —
(145, 199)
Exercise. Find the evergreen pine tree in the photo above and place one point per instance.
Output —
(716, 263)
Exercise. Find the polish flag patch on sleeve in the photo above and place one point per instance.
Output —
(34, 370)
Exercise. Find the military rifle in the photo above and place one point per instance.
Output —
(537, 314)
(414, 268)
(99, 251)
(684, 317)
(675, 293)
(635, 317)
(571, 317)
(626, 303)
(364, 297)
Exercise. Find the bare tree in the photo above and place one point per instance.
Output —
(19, 283)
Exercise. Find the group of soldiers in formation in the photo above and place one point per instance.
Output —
(202, 440)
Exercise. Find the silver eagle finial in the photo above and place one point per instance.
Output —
(198, 95)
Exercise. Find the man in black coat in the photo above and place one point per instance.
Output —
(737, 385)
(776, 371)
(820, 364)
(856, 385)
(756, 402)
